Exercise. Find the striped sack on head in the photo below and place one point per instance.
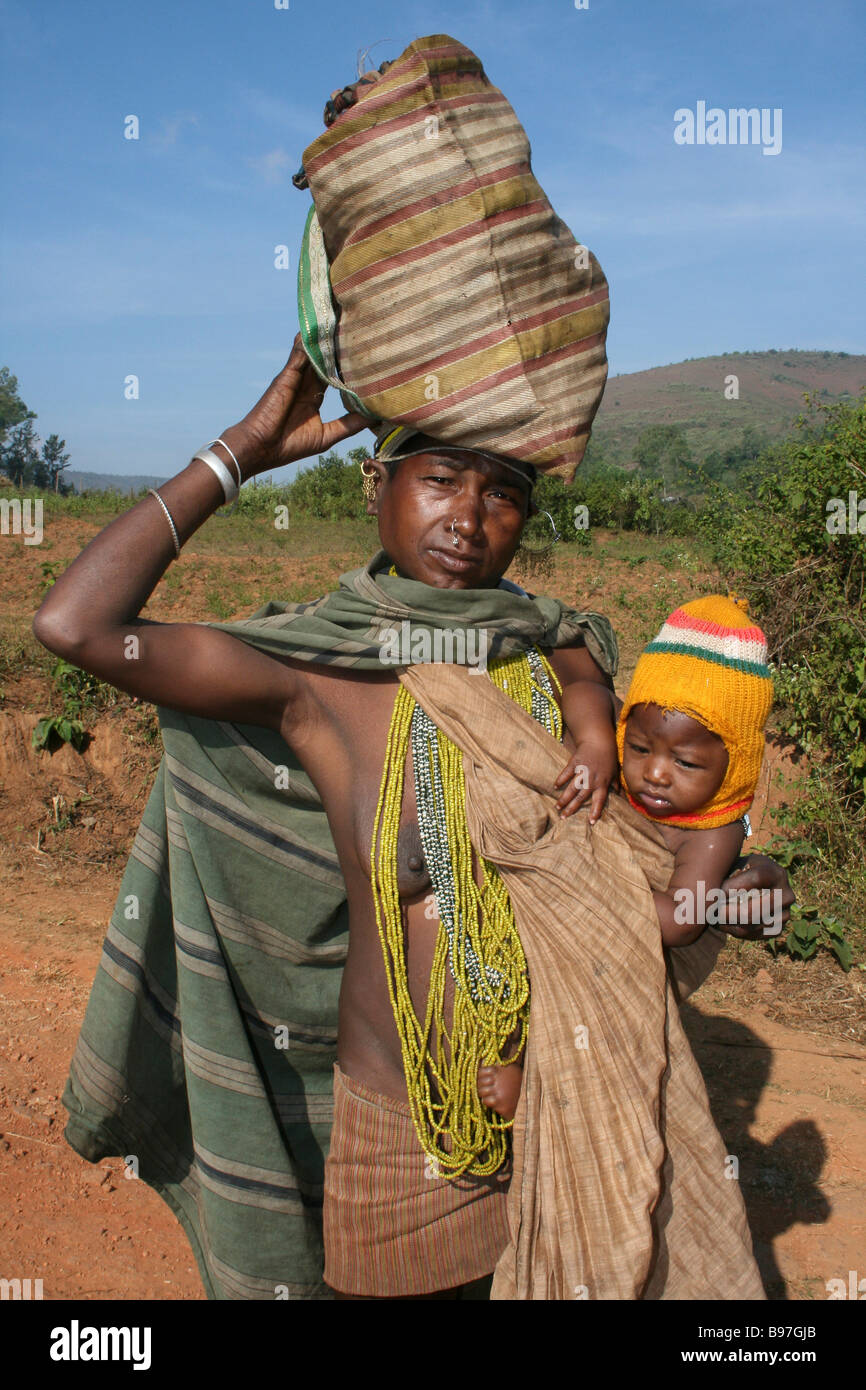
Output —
(437, 286)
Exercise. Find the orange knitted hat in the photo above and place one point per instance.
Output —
(710, 662)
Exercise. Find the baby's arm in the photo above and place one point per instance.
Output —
(589, 715)
(694, 898)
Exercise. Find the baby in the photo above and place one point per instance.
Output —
(690, 738)
(691, 742)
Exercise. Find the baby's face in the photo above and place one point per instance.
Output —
(672, 764)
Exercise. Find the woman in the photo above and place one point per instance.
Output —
(450, 520)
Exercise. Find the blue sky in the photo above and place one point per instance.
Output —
(156, 256)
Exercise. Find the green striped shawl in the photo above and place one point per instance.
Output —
(206, 1053)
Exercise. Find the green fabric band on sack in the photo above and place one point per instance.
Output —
(317, 313)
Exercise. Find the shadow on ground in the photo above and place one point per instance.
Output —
(780, 1181)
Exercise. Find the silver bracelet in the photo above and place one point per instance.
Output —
(232, 457)
(153, 492)
(227, 482)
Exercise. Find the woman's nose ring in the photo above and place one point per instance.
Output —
(455, 539)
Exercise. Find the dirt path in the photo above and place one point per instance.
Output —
(791, 1106)
(85, 1230)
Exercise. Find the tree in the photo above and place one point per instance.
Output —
(12, 409)
(19, 458)
(728, 464)
(54, 461)
(331, 489)
(662, 453)
(788, 536)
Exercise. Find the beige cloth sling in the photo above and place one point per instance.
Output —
(621, 1189)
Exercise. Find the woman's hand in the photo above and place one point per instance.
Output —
(760, 872)
(284, 425)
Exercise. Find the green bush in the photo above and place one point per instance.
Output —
(81, 691)
(806, 583)
(810, 928)
(332, 489)
(615, 500)
(262, 497)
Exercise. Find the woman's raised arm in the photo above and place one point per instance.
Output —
(90, 615)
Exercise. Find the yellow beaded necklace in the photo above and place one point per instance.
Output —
(455, 1128)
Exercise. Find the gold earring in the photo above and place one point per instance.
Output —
(369, 480)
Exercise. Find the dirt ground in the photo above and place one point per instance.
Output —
(790, 1101)
(791, 1106)
(781, 1044)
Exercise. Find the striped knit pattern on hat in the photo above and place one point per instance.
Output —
(709, 661)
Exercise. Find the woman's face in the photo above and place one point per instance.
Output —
(672, 764)
(435, 500)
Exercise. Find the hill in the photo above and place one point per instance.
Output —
(691, 394)
(110, 482)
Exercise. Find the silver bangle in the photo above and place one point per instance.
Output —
(227, 482)
(231, 455)
(153, 492)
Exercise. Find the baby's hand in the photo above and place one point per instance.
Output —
(590, 773)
